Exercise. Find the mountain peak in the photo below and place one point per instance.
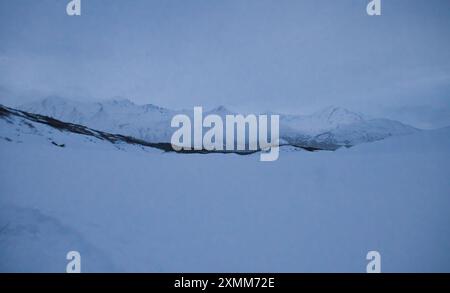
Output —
(119, 101)
(153, 107)
(221, 110)
(338, 115)
(54, 100)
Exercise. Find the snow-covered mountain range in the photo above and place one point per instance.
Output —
(66, 186)
(23, 127)
(130, 208)
(19, 126)
(329, 128)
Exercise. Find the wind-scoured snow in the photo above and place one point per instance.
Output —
(131, 210)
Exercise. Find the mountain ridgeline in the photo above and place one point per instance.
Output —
(149, 125)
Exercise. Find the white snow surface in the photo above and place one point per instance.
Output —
(130, 209)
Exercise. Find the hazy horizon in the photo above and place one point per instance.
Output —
(282, 56)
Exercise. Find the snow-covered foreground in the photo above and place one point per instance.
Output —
(135, 211)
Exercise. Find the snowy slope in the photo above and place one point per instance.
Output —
(137, 211)
(327, 129)
(23, 127)
(147, 122)
(335, 126)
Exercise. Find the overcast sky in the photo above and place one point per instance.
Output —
(251, 55)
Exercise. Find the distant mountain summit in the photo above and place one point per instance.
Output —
(328, 129)
(335, 116)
